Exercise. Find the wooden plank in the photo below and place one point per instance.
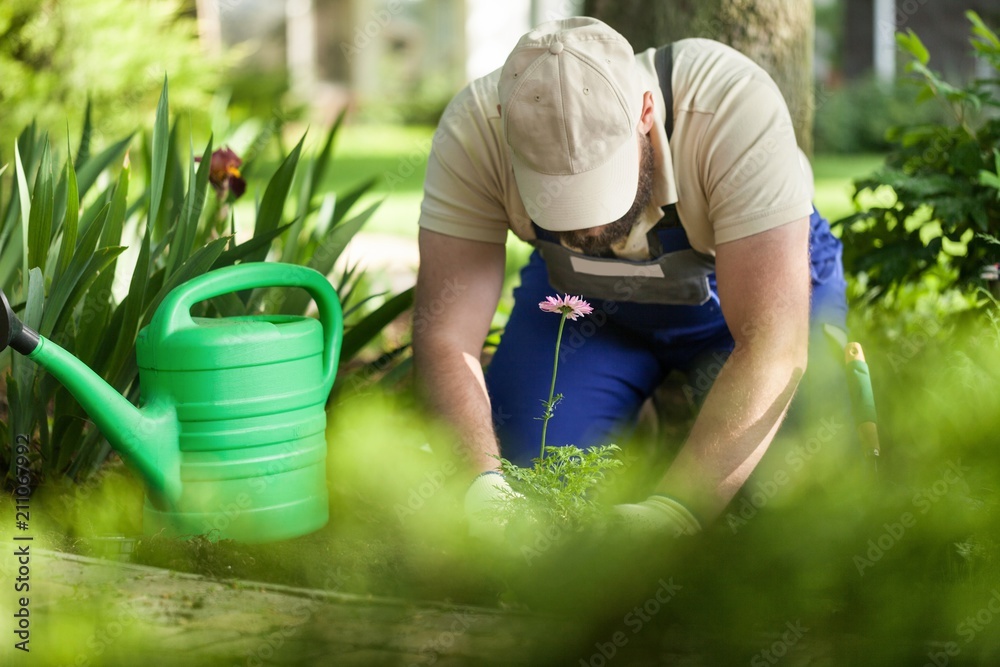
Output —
(86, 611)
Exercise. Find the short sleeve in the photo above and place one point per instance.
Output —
(462, 194)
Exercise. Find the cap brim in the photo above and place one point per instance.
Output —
(566, 202)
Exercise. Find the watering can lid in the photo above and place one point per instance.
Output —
(230, 342)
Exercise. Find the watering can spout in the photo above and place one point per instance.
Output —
(146, 439)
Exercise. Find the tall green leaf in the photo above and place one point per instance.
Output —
(345, 203)
(367, 329)
(99, 300)
(158, 168)
(24, 412)
(249, 248)
(83, 152)
(71, 222)
(337, 238)
(195, 265)
(323, 159)
(272, 206)
(40, 219)
(25, 199)
(132, 308)
(325, 256)
(187, 229)
(79, 276)
(315, 173)
(88, 172)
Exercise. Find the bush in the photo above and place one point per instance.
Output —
(930, 214)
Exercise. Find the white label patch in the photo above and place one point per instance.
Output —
(596, 268)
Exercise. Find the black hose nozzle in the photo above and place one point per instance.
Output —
(13, 333)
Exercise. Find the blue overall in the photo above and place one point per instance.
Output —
(612, 360)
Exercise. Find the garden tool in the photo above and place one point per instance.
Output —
(230, 435)
(862, 397)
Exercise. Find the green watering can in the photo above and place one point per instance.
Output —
(230, 436)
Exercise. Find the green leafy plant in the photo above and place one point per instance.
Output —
(932, 206)
(559, 488)
(62, 233)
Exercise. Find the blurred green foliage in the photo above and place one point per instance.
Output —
(883, 569)
(559, 492)
(55, 54)
(858, 116)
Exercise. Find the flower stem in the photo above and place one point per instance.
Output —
(552, 387)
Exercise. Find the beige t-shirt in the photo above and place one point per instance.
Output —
(732, 165)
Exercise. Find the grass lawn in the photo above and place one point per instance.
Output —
(397, 156)
(833, 175)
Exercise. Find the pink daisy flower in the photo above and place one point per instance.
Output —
(572, 307)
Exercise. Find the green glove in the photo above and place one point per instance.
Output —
(485, 506)
(657, 515)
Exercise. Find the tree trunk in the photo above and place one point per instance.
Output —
(777, 34)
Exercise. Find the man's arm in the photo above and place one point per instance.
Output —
(763, 285)
(458, 288)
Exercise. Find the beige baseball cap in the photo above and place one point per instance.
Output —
(570, 101)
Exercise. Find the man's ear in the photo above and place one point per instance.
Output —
(647, 118)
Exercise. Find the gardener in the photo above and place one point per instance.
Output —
(666, 188)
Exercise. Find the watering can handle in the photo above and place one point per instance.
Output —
(175, 312)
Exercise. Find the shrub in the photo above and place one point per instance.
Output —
(932, 211)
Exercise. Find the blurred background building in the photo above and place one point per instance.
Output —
(397, 53)
(413, 54)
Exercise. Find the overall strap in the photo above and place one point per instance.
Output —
(664, 62)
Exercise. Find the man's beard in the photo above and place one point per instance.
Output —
(599, 244)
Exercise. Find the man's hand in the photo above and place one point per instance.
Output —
(486, 506)
(657, 515)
